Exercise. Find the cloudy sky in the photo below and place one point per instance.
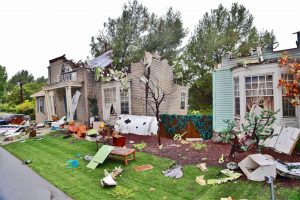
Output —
(33, 31)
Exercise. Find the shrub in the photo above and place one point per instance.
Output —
(5, 107)
(27, 108)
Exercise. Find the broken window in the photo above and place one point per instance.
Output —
(288, 110)
(259, 91)
(236, 96)
(124, 102)
(182, 100)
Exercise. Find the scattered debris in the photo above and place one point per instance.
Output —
(100, 156)
(143, 167)
(26, 162)
(256, 167)
(204, 159)
(198, 146)
(71, 164)
(194, 139)
(232, 175)
(131, 142)
(232, 165)
(109, 178)
(221, 159)
(200, 180)
(227, 198)
(116, 172)
(202, 166)
(123, 193)
(161, 146)
(151, 189)
(88, 157)
(290, 170)
(140, 146)
(174, 170)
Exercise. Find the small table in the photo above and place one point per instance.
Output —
(126, 153)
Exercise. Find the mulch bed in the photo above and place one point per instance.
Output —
(185, 154)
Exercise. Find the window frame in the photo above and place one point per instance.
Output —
(236, 94)
(41, 105)
(286, 77)
(182, 100)
(124, 101)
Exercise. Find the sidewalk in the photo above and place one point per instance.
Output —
(18, 181)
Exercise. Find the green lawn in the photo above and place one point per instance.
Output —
(49, 157)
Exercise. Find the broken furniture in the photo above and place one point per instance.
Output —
(284, 139)
(119, 140)
(125, 153)
(109, 178)
(100, 156)
(14, 119)
(256, 167)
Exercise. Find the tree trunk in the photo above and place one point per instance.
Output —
(21, 93)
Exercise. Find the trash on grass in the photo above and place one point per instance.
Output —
(232, 165)
(71, 164)
(232, 175)
(290, 170)
(26, 162)
(88, 157)
(256, 167)
(221, 159)
(174, 170)
(202, 166)
(143, 167)
(200, 180)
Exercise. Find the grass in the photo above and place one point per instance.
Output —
(50, 154)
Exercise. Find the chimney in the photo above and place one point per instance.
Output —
(298, 39)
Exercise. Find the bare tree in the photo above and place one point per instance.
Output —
(156, 95)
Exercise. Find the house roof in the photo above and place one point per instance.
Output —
(63, 57)
(38, 94)
(102, 60)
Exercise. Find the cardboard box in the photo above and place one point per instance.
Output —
(256, 167)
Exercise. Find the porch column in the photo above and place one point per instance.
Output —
(47, 104)
(69, 102)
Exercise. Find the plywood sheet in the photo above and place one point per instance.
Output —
(285, 141)
(100, 156)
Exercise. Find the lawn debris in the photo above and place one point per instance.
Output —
(123, 193)
(109, 178)
(143, 167)
(256, 167)
(200, 180)
(26, 162)
(232, 165)
(227, 198)
(290, 170)
(88, 157)
(193, 139)
(202, 166)
(232, 175)
(131, 142)
(174, 170)
(198, 146)
(71, 164)
(100, 156)
(152, 189)
(140, 146)
(221, 159)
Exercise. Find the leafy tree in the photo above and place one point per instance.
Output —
(3, 78)
(28, 89)
(219, 33)
(41, 80)
(123, 35)
(165, 35)
(20, 78)
(135, 31)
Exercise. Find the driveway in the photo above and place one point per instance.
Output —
(18, 181)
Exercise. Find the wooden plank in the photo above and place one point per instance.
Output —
(100, 156)
(285, 142)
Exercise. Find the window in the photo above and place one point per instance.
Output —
(109, 97)
(288, 110)
(236, 96)
(259, 91)
(182, 100)
(124, 102)
(40, 105)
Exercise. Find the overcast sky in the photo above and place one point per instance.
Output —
(33, 31)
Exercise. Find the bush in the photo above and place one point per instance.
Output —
(207, 111)
(27, 108)
(5, 107)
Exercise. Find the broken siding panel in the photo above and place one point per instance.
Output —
(269, 54)
(222, 98)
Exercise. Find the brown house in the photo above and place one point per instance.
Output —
(65, 79)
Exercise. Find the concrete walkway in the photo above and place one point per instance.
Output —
(19, 182)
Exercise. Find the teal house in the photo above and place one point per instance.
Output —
(239, 83)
